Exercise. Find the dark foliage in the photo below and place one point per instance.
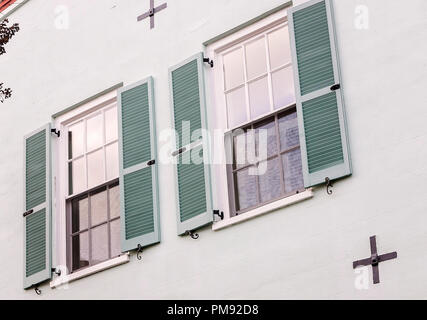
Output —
(6, 33)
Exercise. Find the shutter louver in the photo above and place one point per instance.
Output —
(138, 166)
(320, 104)
(37, 204)
(192, 178)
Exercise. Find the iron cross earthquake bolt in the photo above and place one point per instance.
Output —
(375, 259)
(150, 13)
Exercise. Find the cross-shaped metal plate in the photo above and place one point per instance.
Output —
(374, 259)
(150, 13)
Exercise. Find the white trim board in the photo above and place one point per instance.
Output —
(307, 194)
(67, 278)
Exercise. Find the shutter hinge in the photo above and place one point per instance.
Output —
(209, 62)
(192, 234)
(57, 272)
(27, 213)
(219, 214)
(37, 290)
(335, 87)
(138, 252)
(151, 162)
(328, 185)
(57, 132)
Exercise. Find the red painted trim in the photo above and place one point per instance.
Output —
(5, 4)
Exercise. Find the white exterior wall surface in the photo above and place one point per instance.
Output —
(305, 250)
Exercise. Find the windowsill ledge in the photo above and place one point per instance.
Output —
(64, 279)
(307, 194)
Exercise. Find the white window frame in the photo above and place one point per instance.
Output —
(60, 191)
(217, 114)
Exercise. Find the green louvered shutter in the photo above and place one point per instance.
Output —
(37, 204)
(320, 104)
(138, 166)
(193, 184)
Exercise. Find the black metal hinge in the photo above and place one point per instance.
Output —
(219, 214)
(209, 62)
(192, 234)
(335, 87)
(57, 272)
(27, 213)
(328, 185)
(57, 132)
(139, 252)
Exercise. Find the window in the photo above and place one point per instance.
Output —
(279, 173)
(258, 77)
(93, 201)
(256, 95)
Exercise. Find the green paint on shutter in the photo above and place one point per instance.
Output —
(138, 176)
(321, 114)
(37, 204)
(322, 131)
(192, 191)
(193, 184)
(313, 48)
(35, 168)
(186, 98)
(136, 126)
(138, 204)
(35, 243)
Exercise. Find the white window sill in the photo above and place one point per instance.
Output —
(307, 194)
(67, 278)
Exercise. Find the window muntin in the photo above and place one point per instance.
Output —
(258, 76)
(283, 175)
(93, 202)
(93, 150)
(94, 223)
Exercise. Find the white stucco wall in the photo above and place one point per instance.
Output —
(302, 251)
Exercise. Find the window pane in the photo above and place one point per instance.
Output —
(111, 128)
(80, 214)
(236, 106)
(259, 97)
(288, 128)
(100, 244)
(94, 132)
(279, 47)
(267, 147)
(292, 168)
(116, 249)
(80, 245)
(114, 202)
(75, 140)
(246, 189)
(112, 158)
(269, 180)
(233, 69)
(244, 148)
(77, 176)
(98, 207)
(283, 87)
(95, 168)
(256, 61)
